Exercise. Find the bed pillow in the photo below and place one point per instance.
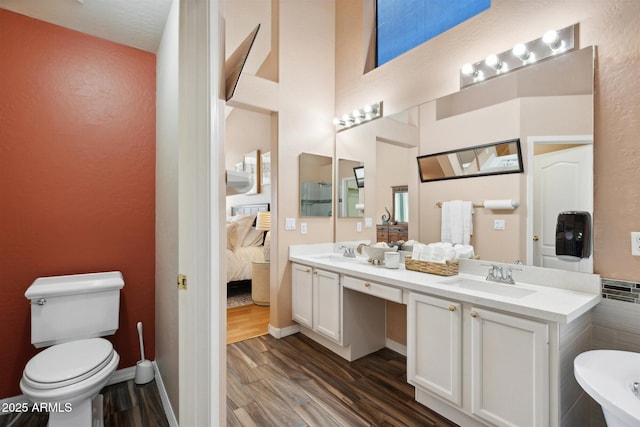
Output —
(253, 238)
(245, 225)
(232, 236)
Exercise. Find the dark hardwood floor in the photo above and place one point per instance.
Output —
(295, 382)
(125, 404)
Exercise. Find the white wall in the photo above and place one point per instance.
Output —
(306, 110)
(167, 206)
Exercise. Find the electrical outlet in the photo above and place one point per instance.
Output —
(635, 243)
(498, 224)
(290, 224)
(303, 228)
(359, 226)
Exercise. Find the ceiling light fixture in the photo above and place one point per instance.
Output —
(552, 43)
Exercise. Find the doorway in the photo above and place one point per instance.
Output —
(561, 179)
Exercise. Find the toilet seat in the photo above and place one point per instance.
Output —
(69, 363)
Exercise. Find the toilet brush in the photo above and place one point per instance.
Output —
(144, 368)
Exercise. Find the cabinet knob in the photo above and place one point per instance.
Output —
(536, 238)
(308, 270)
(474, 314)
(367, 284)
(315, 272)
(452, 308)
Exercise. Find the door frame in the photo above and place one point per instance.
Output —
(202, 305)
(545, 139)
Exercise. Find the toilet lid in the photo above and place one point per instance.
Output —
(67, 363)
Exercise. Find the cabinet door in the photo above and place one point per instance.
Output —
(302, 294)
(434, 339)
(509, 369)
(326, 304)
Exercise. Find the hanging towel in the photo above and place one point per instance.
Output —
(467, 222)
(456, 225)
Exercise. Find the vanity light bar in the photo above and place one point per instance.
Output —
(361, 115)
(552, 43)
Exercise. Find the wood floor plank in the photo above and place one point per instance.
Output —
(247, 322)
(314, 415)
(283, 386)
(276, 409)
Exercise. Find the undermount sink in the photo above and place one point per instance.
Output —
(608, 376)
(500, 289)
(334, 258)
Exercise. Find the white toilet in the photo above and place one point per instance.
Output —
(69, 313)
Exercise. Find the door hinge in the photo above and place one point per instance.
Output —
(182, 281)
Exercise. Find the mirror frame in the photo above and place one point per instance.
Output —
(520, 167)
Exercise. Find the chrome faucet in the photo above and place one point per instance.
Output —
(498, 274)
(348, 251)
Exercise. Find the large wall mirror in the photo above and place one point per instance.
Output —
(316, 185)
(350, 186)
(549, 108)
(489, 159)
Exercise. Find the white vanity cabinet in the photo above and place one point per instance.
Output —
(434, 346)
(302, 294)
(316, 300)
(492, 366)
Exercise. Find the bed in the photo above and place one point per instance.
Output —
(244, 242)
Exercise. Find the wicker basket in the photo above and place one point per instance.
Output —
(448, 269)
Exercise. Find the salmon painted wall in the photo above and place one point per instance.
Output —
(77, 176)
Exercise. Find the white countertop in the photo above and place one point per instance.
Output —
(558, 296)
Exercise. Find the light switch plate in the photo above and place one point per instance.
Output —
(359, 226)
(303, 228)
(368, 222)
(289, 223)
(635, 243)
(498, 224)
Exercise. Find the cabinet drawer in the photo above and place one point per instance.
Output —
(372, 288)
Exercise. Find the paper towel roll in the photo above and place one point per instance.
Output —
(501, 204)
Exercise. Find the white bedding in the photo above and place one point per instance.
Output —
(239, 262)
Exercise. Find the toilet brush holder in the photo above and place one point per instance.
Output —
(144, 367)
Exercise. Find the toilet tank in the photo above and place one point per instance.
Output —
(77, 306)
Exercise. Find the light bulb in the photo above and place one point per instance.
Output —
(551, 39)
(493, 62)
(336, 121)
(469, 70)
(356, 114)
(521, 52)
(367, 109)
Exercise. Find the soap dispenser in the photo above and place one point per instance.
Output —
(573, 235)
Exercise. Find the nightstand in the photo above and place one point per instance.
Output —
(260, 282)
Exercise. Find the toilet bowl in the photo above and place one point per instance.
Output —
(65, 378)
(68, 315)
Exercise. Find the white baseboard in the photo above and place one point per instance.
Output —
(283, 332)
(164, 397)
(396, 346)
